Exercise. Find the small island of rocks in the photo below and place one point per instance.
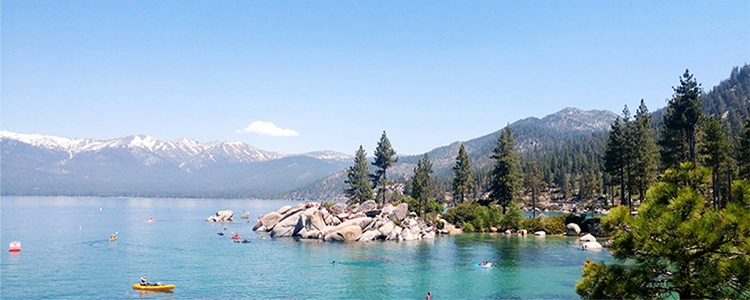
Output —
(365, 222)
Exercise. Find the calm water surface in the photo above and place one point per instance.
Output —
(60, 261)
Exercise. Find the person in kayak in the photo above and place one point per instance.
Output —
(143, 281)
(111, 236)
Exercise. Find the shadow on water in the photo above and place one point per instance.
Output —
(154, 294)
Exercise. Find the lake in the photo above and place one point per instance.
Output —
(60, 261)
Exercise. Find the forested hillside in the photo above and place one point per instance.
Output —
(567, 146)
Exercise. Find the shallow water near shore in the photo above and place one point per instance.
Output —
(58, 260)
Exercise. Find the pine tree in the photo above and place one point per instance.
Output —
(676, 245)
(384, 159)
(714, 149)
(614, 157)
(678, 135)
(533, 183)
(463, 183)
(359, 189)
(644, 152)
(422, 184)
(505, 174)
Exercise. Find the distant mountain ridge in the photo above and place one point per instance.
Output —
(36, 164)
(531, 133)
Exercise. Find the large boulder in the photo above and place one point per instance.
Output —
(358, 215)
(354, 208)
(587, 238)
(221, 216)
(368, 205)
(259, 226)
(270, 220)
(246, 215)
(540, 233)
(572, 229)
(288, 226)
(399, 212)
(387, 209)
(591, 246)
(429, 235)
(395, 234)
(337, 209)
(369, 235)
(282, 210)
(409, 235)
(351, 233)
(361, 222)
(294, 210)
(387, 228)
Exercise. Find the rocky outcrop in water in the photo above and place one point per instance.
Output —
(365, 222)
(221, 216)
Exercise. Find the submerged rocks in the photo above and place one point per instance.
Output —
(246, 215)
(221, 216)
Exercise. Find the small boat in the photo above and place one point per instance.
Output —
(167, 287)
(150, 220)
(112, 238)
(242, 241)
(488, 265)
(220, 233)
(236, 237)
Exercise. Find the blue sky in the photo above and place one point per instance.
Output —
(335, 74)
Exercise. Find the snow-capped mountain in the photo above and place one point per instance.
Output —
(183, 150)
(144, 165)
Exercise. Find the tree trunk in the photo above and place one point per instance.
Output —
(533, 202)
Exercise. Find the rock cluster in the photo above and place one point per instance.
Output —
(365, 222)
(221, 216)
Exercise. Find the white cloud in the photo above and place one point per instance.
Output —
(267, 128)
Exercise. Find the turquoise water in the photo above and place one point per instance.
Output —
(60, 261)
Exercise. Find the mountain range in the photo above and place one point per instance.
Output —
(140, 165)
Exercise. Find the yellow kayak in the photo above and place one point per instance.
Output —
(168, 287)
(112, 239)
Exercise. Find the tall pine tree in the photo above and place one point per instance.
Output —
(422, 183)
(714, 149)
(357, 175)
(614, 157)
(678, 135)
(644, 152)
(533, 183)
(384, 159)
(505, 182)
(463, 183)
